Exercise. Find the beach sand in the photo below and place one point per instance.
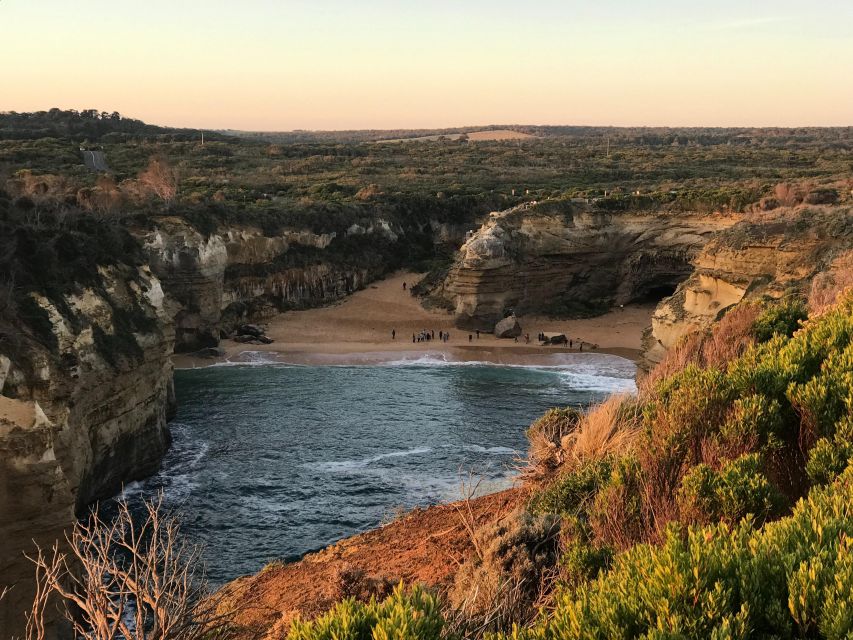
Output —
(358, 330)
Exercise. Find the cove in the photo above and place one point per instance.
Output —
(271, 461)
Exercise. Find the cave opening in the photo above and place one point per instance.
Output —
(654, 294)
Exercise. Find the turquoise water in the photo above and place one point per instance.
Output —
(272, 461)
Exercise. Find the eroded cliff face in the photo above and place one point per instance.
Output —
(767, 255)
(238, 274)
(86, 388)
(566, 258)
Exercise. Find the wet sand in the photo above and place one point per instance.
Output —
(357, 330)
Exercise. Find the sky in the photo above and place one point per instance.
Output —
(385, 64)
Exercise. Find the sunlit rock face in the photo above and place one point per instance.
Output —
(237, 273)
(764, 256)
(86, 388)
(568, 258)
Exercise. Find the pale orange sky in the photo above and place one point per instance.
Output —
(331, 64)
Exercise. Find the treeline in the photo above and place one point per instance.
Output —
(89, 125)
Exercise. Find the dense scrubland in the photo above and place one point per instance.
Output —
(54, 211)
(716, 503)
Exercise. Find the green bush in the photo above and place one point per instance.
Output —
(739, 489)
(831, 455)
(788, 579)
(405, 615)
(780, 319)
(572, 492)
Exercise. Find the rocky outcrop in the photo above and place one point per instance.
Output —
(508, 328)
(238, 273)
(86, 388)
(568, 258)
(768, 255)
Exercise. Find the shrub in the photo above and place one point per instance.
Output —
(739, 489)
(545, 436)
(404, 615)
(780, 319)
(573, 491)
(831, 455)
(789, 578)
(607, 429)
(511, 572)
(581, 562)
(616, 517)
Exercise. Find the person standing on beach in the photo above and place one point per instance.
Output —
(478, 334)
(413, 338)
(404, 285)
(470, 337)
(393, 334)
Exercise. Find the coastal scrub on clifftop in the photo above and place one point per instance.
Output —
(104, 275)
(716, 503)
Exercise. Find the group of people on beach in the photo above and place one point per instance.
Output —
(571, 342)
(426, 335)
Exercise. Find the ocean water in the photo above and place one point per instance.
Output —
(271, 461)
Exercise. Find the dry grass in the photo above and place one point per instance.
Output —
(511, 572)
(545, 454)
(827, 285)
(728, 340)
(566, 438)
(731, 336)
(609, 428)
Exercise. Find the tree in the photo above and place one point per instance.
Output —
(160, 179)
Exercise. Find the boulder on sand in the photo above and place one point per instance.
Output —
(508, 328)
(250, 330)
(555, 338)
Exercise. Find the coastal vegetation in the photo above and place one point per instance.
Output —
(303, 179)
(712, 504)
(715, 504)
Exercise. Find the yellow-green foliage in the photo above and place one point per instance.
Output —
(791, 578)
(404, 615)
(691, 508)
(738, 489)
(721, 443)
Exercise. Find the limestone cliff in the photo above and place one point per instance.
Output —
(86, 386)
(767, 255)
(567, 257)
(238, 273)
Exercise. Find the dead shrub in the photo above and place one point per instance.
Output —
(128, 580)
(351, 582)
(731, 336)
(687, 351)
(616, 516)
(728, 339)
(511, 572)
(545, 436)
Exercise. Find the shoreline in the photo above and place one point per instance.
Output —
(358, 330)
(306, 355)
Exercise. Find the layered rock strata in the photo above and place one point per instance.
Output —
(238, 274)
(568, 258)
(86, 388)
(766, 256)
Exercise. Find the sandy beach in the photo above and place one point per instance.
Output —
(357, 330)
